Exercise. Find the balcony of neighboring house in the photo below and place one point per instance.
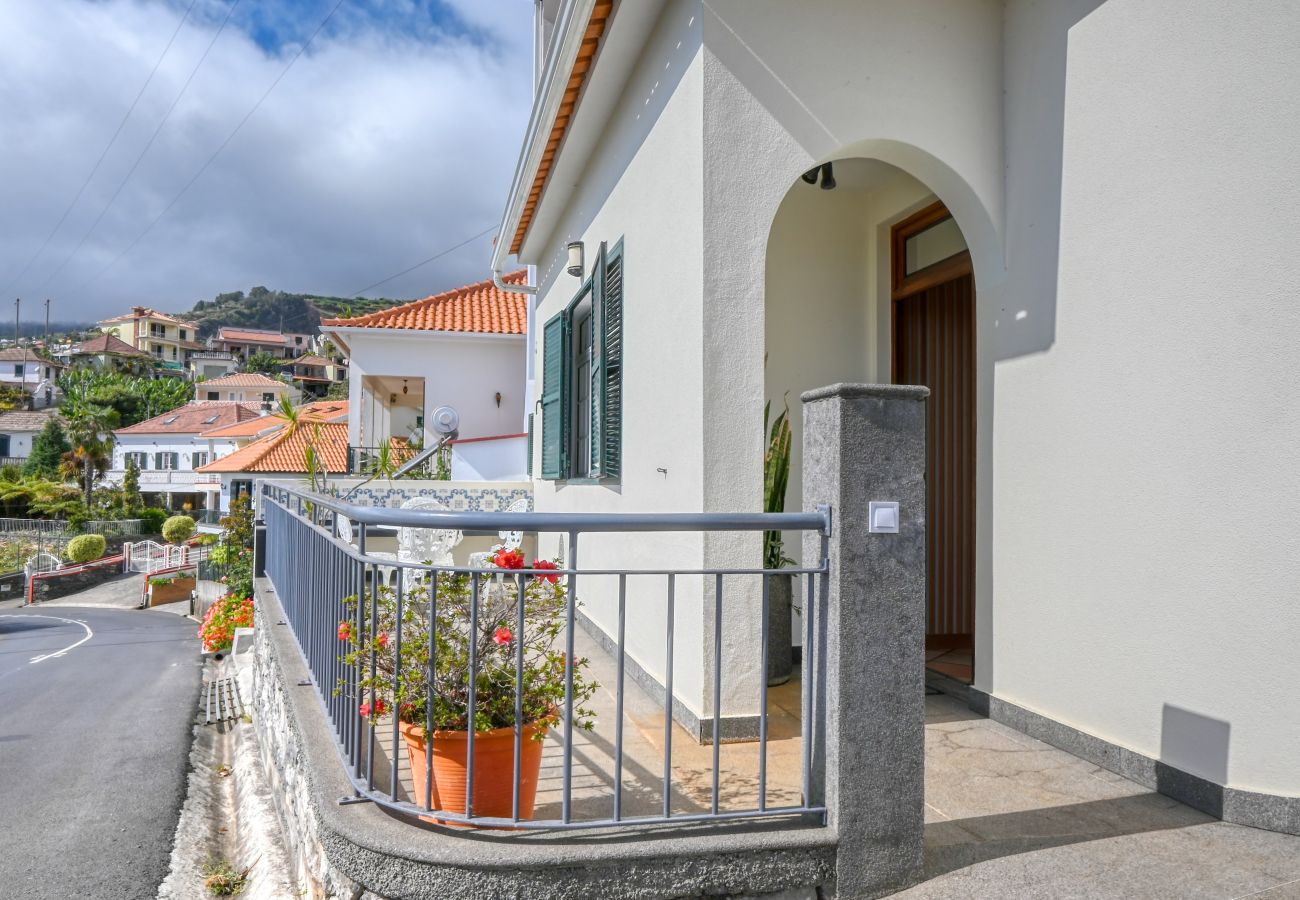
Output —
(390, 412)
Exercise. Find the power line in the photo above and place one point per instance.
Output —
(111, 141)
(135, 165)
(301, 50)
(439, 255)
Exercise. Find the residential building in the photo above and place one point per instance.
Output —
(314, 374)
(170, 450)
(210, 364)
(1072, 222)
(460, 352)
(107, 351)
(283, 452)
(161, 335)
(22, 367)
(246, 387)
(18, 429)
(246, 342)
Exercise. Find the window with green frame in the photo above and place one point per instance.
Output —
(582, 378)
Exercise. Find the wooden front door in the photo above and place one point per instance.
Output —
(933, 305)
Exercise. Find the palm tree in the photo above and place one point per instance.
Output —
(91, 431)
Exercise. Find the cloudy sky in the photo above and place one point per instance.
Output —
(391, 138)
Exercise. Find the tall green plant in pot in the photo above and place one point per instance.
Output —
(776, 476)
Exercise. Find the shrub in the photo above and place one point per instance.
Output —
(152, 519)
(230, 612)
(178, 529)
(86, 548)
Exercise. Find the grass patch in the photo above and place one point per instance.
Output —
(224, 880)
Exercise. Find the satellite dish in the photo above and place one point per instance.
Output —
(445, 420)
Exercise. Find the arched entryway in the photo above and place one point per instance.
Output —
(869, 279)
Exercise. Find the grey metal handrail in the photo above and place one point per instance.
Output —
(326, 585)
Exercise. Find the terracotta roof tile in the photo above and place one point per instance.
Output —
(106, 343)
(320, 411)
(251, 336)
(149, 313)
(25, 419)
(286, 451)
(242, 379)
(477, 308)
(19, 354)
(194, 418)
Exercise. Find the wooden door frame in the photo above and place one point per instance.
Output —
(903, 286)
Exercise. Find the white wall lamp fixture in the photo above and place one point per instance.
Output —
(577, 262)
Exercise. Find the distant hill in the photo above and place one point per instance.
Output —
(263, 308)
(31, 330)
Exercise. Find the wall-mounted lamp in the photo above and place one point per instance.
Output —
(392, 398)
(827, 176)
(405, 389)
(577, 263)
(498, 399)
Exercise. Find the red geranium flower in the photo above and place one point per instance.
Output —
(382, 640)
(509, 559)
(546, 564)
(503, 636)
(379, 708)
(345, 631)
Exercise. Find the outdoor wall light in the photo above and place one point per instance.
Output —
(498, 399)
(827, 174)
(577, 264)
(405, 389)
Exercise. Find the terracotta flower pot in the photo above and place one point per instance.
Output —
(494, 770)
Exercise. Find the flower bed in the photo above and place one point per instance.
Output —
(224, 616)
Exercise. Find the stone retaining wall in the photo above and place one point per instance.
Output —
(54, 585)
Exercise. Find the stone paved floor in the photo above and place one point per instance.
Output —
(1006, 816)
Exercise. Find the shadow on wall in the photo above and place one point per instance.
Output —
(1191, 743)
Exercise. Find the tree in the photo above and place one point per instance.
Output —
(91, 430)
(338, 390)
(48, 451)
(264, 362)
(132, 499)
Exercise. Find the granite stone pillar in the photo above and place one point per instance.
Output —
(864, 443)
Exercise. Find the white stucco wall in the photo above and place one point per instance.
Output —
(20, 442)
(463, 371)
(1145, 548)
(643, 185)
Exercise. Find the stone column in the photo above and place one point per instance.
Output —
(863, 443)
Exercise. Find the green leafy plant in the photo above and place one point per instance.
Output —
(86, 548)
(776, 476)
(161, 580)
(178, 529)
(48, 450)
(223, 880)
(446, 644)
(152, 519)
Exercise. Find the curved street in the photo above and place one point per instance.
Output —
(96, 715)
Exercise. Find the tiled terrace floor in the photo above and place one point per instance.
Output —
(1006, 816)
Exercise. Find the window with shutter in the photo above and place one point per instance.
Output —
(553, 431)
(611, 419)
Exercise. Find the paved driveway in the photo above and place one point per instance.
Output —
(96, 712)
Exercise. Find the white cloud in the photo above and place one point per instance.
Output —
(377, 150)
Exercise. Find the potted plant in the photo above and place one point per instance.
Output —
(776, 475)
(429, 684)
(170, 588)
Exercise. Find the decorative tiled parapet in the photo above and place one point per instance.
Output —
(865, 443)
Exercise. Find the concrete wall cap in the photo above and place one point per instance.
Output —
(875, 391)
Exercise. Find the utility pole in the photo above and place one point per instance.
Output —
(18, 336)
(47, 324)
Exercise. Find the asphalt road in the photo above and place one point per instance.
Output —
(96, 715)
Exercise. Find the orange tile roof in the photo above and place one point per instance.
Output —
(193, 418)
(149, 313)
(251, 336)
(286, 451)
(564, 115)
(243, 379)
(480, 308)
(106, 343)
(320, 411)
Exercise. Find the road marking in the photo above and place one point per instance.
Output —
(57, 653)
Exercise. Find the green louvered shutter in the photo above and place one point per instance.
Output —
(611, 362)
(530, 445)
(553, 392)
(597, 461)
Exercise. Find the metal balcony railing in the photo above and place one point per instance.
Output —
(385, 461)
(395, 604)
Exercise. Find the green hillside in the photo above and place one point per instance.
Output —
(276, 310)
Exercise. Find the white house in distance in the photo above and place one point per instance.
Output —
(246, 387)
(245, 342)
(21, 367)
(170, 449)
(462, 349)
(18, 428)
(1075, 222)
